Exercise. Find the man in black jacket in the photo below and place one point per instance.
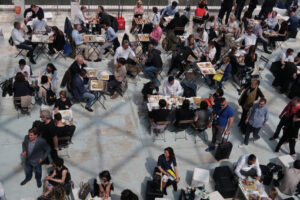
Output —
(77, 66)
(153, 64)
(226, 7)
(35, 10)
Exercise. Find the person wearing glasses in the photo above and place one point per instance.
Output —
(248, 166)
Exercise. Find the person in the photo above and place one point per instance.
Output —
(273, 194)
(47, 131)
(23, 68)
(156, 34)
(184, 113)
(246, 18)
(51, 72)
(251, 57)
(18, 37)
(217, 97)
(224, 68)
(239, 6)
(39, 25)
(125, 52)
(249, 97)
(232, 28)
(289, 183)
(159, 115)
(80, 44)
(110, 39)
(118, 80)
(138, 9)
(248, 166)
(77, 66)
(149, 89)
(290, 133)
(202, 116)
(156, 15)
(63, 130)
(280, 61)
(58, 193)
(201, 11)
(236, 67)
(249, 38)
(172, 87)
(103, 189)
(281, 35)
(223, 118)
(226, 7)
(34, 150)
(272, 21)
(266, 8)
(291, 108)
(45, 86)
(171, 40)
(209, 52)
(35, 11)
(170, 10)
(80, 89)
(23, 90)
(58, 39)
(211, 26)
(201, 37)
(81, 18)
(286, 75)
(256, 119)
(153, 64)
(258, 31)
(103, 17)
(128, 195)
(59, 176)
(164, 166)
(63, 103)
(293, 23)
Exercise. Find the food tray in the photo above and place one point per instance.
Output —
(207, 71)
(204, 64)
(144, 37)
(96, 85)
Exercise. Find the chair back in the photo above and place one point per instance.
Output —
(163, 123)
(186, 121)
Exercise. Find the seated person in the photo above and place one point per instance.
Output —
(23, 68)
(63, 103)
(125, 52)
(280, 61)
(103, 189)
(201, 11)
(202, 115)
(110, 39)
(59, 176)
(293, 23)
(251, 57)
(159, 115)
(247, 16)
(172, 40)
(80, 44)
(77, 66)
(18, 37)
(81, 19)
(128, 195)
(164, 165)
(46, 85)
(211, 26)
(58, 193)
(184, 113)
(223, 68)
(35, 11)
(170, 10)
(172, 87)
(153, 64)
(201, 37)
(281, 36)
(80, 90)
(118, 79)
(156, 34)
(290, 182)
(236, 67)
(51, 72)
(249, 38)
(39, 25)
(58, 39)
(149, 89)
(103, 18)
(138, 9)
(180, 24)
(232, 28)
(258, 31)
(247, 166)
(22, 89)
(61, 129)
(209, 52)
(272, 21)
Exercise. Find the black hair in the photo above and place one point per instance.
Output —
(171, 152)
(186, 104)
(52, 67)
(171, 78)
(203, 105)
(58, 117)
(162, 103)
(22, 62)
(252, 157)
(44, 79)
(297, 164)
(220, 92)
(82, 72)
(16, 24)
(33, 130)
(105, 174)
(155, 9)
(289, 50)
(122, 61)
(297, 114)
(174, 3)
(128, 195)
(59, 162)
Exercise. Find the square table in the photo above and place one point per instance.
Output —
(93, 41)
(200, 177)
(42, 41)
(256, 189)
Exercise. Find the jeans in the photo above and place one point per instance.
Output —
(88, 96)
(250, 129)
(264, 43)
(282, 122)
(151, 73)
(37, 170)
(28, 45)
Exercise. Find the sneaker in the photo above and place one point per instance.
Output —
(268, 52)
(165, 191)
(210, 149)
(175, 186)
(88, 109)
(98, 60)
(256, 138)
(39, 183)
(272, 138)
(24, 182)
(242, 145)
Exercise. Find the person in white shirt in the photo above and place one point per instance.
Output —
(156, 16)
(82, 19)
(280, 61)
(23, 68)
(80, 44)
(272, 21)
(39, 24)
(249, 38)
(18, 37)
(248, 166)
(201, 37)
(209, 52)
(125, 52)
(172, 87)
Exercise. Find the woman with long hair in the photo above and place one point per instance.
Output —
(51, 72)
(251, 57)
(58, 39)
(23, 90)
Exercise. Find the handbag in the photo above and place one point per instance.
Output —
(218, 77)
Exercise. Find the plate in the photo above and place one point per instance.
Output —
(96, 85)
(206, 71)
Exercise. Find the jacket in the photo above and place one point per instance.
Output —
(59, 41)
(154, 59)
(288, 185)
(40, 150)
(22, 89)
(75, 68)
(68, 27)
(67, 80)
(78, 87)
(34, 15)
(172, 40)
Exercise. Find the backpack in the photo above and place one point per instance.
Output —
(7, 87)
(50, 96)
(10, 41)
(84, 190)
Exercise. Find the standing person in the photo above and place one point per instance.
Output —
(291, 108)
(226, 7)
(290, 133)
(251, 7)
(266, 8)
(249, 97)
(239, 8)
(164, 166)
(256, 119)
(35, 150)
(221, 117)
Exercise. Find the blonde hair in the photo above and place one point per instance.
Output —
(139, 2)
(273, 193)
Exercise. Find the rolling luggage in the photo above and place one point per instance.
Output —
(120, 18)
(224, 149)
(225, 182)
(151, 192)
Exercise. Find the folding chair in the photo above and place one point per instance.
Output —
(182, 122)
(20, 52)
(60, 53)
(200, 132)
(18, 107)
(159, 129)
(63, 143)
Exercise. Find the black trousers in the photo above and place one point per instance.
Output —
(243, 119)
(114, 85)
(225, 9)
(292, 143)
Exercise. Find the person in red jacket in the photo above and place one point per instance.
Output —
(290, 109)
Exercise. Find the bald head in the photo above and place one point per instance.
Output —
(80, 60)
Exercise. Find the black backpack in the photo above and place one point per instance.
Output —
(7, 87)
(50, 96)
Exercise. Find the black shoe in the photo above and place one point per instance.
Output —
(98, 60)
(88, 109)
(106, 51)
(32, 61)
(24, 182)
(272, 138)
(165, 191)
(268, 52)
(39, 183)
(175, 186)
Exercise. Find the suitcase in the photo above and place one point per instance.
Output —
(151, 194)
(225, 182)
(224, 149)
(121, 23)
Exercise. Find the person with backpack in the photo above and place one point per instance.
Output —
(46, 91)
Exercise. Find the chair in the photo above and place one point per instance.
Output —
(200, 131)
(63, 143)
(178, 128)
(20, 52)
(60, 53)
(159, 127)
(17, 104)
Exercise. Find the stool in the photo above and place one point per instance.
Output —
(200, 177)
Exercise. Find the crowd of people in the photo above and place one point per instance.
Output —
(229, 45)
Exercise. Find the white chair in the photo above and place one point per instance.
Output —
(200, 177)
(159, 128)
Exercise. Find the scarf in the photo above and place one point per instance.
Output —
(247, 101)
